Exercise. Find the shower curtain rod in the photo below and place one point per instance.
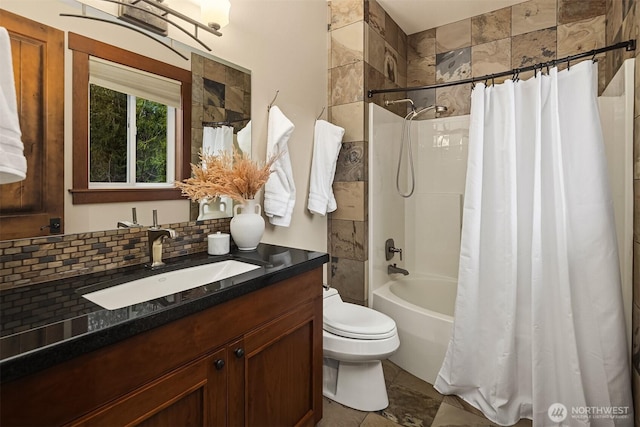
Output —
(226, 122)
(629, 45)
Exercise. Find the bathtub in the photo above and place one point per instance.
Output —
(422, 307)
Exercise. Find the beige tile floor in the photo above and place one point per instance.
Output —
(412, 403)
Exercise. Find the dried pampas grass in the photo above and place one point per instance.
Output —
(233, 175)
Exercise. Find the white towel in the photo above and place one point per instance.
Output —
(13, 164)
(326, 147)
(280, 190)
(244, 139)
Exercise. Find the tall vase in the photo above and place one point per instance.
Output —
(247, 226)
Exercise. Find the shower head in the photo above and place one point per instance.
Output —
(438, 109)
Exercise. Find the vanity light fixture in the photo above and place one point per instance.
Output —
(157, 9)
(155, 15)
(215, 13)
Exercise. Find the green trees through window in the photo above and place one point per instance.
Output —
(128, 138)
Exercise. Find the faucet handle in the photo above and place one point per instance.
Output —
(390, 250)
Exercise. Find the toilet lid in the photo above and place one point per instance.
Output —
(355, 321)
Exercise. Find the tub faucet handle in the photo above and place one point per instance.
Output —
(396, 250)
(391, 250)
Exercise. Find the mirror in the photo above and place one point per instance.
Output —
(221, 106)
(221, 92)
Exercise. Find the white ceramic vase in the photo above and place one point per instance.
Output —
(247, 226)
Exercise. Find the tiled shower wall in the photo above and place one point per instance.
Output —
(367, 52)
(367, 49)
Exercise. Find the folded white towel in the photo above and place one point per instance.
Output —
(280, 190)
(326, 147)
(13, 164)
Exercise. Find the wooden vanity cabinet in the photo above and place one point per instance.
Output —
(194, 395)
(262, 366)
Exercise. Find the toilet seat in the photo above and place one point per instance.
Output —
(358, 322)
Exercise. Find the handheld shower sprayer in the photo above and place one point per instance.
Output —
(405, 141)
(438, 109)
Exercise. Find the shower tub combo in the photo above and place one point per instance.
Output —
(422, 307)
(426, 226)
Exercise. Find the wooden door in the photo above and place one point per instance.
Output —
(38, 66)
(280, 366)
(194, 395)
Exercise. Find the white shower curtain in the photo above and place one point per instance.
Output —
(216, 140)
(539, 317)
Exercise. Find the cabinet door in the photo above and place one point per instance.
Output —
(280, 363)
(194, 395)
(37, 53)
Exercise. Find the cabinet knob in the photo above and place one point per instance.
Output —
(238, 352)
(219, 364)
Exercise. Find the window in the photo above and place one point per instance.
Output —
(132, 118)
(131, 130)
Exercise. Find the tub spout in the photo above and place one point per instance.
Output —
(391, 269)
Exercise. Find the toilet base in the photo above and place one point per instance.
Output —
(359, 385)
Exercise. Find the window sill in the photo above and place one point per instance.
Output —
(87, 196)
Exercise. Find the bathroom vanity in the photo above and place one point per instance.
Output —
(246, 350)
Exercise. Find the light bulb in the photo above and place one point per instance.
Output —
(215, 12)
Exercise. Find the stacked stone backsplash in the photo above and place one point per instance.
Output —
(43, 259)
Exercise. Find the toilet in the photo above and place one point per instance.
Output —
(355, 341)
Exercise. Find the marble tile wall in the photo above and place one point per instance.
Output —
(525, 34)
(367, 50)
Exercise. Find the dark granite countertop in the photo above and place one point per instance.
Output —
(48, 323)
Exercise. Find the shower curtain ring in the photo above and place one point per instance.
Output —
(568, 64)
(493, 82)
(593, 58)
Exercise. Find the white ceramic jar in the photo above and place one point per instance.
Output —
(218, 243)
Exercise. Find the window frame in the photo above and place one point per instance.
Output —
(83, 48)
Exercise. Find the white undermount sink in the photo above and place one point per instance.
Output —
(161, 285)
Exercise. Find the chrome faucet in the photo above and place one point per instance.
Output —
(156, 235)
(391, 269)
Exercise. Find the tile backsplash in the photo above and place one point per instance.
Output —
(42, 259)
